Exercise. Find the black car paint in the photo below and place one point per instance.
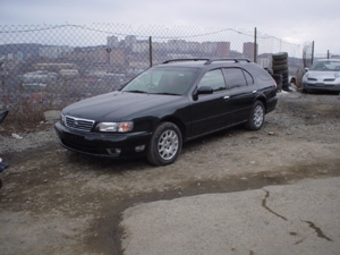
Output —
(195, 115)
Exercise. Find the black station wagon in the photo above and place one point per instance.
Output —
(167, 105)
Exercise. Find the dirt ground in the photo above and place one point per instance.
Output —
(57, 202)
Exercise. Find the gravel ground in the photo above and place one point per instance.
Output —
(57, 202)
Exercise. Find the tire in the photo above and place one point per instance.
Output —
(293, 80)
(165, 145)
(256, 116)
(280, 55)
(283, 72)
(285, 80)
(279, 62)
(280, 67)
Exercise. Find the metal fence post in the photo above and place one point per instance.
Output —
(150, 50)
(255, 45)
(312, 52)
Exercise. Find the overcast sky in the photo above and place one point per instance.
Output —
(295, 21)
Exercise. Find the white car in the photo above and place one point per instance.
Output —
(324, 74)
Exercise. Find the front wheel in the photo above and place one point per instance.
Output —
(165, 144)
(256, 117)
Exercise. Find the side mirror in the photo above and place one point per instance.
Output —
(306, 69)
(204, 90)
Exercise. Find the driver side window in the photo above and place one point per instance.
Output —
(213, 79)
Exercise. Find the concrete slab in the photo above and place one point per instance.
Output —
(51, 115)
(302, 218)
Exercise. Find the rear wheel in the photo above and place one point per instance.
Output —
(256, 117)
(165, 144)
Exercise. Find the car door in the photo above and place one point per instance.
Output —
(242, 92)
(211, 112)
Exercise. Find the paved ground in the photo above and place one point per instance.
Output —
(303, 218)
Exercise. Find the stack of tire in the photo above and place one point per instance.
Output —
(280, 69)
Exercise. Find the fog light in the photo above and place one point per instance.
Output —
(114, 151)
(139, 148)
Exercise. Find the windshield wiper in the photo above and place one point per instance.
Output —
(136, 91)
(168, 93)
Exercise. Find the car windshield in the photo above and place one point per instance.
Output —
(327, 65)
(163, 80)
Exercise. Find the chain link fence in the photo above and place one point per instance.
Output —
(326, 55)
(47, 67)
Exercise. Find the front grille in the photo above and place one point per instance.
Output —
(312, 79)
(77, 123)
(329, 80)
(317, 85)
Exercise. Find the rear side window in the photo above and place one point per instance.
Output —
(249, 78)
(235, 77)
(259, 73)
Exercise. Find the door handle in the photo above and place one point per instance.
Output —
(254, 91)
(226, 97)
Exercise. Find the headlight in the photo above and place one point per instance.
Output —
(115, 126)
(62, 119)
(336, 75)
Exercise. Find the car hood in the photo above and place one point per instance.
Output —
(321, 74)
(118, 106)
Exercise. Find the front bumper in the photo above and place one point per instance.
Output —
(102, 144)
(321, 86)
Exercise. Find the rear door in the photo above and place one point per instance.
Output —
(242, 92)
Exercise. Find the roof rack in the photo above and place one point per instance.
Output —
(236, 60)
(185, 59)
(208, 61)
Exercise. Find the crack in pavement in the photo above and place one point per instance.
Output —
(318, 231)
(264, 204)
(300, 241)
